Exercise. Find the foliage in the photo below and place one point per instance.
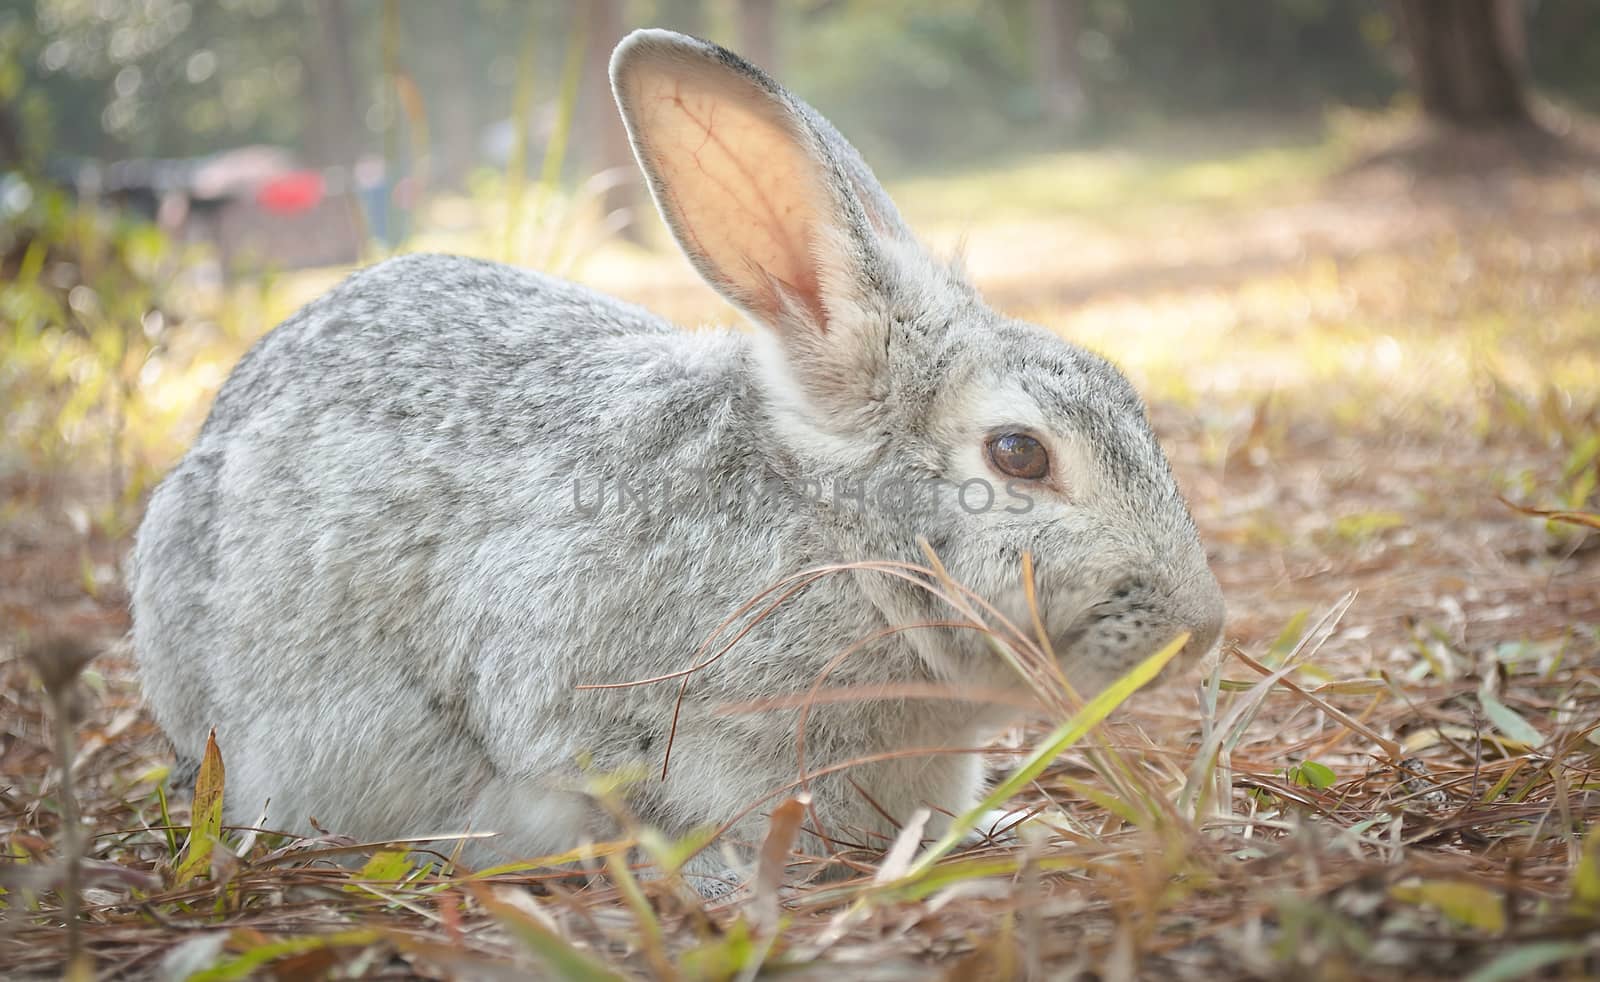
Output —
(163, 77)
(950, 82)
(88, 301)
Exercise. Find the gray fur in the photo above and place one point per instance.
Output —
(374, 576)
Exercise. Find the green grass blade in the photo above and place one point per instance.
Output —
(1525, 961)
(1062, 739)
(563, 960)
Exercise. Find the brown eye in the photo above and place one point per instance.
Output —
(1019, 455)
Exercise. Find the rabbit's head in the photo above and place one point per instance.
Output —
(914, 411)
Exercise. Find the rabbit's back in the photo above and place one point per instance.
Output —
(379, 524)
(423, 336)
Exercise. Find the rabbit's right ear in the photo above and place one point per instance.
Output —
(772, 207)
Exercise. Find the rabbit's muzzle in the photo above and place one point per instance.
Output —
(1137, 618)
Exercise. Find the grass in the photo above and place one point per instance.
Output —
(1389, 773)
(1116, 185)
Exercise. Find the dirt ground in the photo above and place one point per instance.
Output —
(1348, 380)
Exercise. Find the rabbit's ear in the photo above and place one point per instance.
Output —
(774, 209)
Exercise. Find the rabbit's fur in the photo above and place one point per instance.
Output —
(381, 572)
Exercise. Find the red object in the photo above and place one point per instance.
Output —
(294, 192)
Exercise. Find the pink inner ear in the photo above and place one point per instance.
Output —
(743, 193)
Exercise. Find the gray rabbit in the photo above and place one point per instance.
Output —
(432, 507)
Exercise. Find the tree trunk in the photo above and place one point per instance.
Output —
(336, 116)
(10, 139)
(603, 140)
(758, 34)
(457, 112)
(683, 16)
(1055, 25)
(1468, 59)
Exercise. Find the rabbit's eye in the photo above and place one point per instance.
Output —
(1019, 455)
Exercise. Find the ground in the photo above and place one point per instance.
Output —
(1358, 374)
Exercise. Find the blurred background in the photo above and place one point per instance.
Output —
(295, 133)
(1294, 222)
(289, 133)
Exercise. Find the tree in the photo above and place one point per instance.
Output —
(684, 16)
(1055, 24)
(757, 26)
(605, 146)
(11, 154)
(336, 126)
(18, 44)
(1468, 60)
(168, 78)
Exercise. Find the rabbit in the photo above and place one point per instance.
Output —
(435, 507)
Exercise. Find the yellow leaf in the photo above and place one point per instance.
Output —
(80, 969)
(385, 866)
(1586, 878)
(154, 774)
(1283, 646)
(205, 817)
(1465, 903)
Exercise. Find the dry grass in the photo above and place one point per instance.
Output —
(1391, 772)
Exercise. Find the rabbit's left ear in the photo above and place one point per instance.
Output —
(774, 209)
